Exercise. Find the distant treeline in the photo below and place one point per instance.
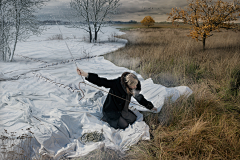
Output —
(59, 22)
(52, 22)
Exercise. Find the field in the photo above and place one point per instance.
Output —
(203, 126)
(207, 124)
(124, 27)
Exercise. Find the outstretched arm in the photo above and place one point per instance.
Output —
(141, 100)
(99, 81)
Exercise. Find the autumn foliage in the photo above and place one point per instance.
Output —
(148, 21)
(206, 16)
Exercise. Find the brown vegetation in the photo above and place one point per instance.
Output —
(148, 21)
(206, 16)
(155, 26)
(207, 124)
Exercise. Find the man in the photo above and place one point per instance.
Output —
(115, 109)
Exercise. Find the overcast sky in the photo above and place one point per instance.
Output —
(129, 9)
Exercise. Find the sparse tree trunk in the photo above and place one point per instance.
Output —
(14, 48)
(204, 41)
(2, 43)
(17, 27)
(95, 38)
(90, 36)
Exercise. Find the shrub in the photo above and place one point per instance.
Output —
(56, 37)
(148, 21)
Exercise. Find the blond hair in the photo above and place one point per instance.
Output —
(131, 79)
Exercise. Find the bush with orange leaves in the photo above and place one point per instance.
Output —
(206, 16)
(148, 21)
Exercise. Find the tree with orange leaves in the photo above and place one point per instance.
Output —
(206, 16)
(148, 21)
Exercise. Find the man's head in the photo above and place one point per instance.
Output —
(132, 81)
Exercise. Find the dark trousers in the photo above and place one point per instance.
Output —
(125, 120)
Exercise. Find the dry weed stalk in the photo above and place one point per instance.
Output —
(56, 37)
(113, 37)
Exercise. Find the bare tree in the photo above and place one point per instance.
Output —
(18, 22)
(81, 8)
(94, 14)
(5, 27)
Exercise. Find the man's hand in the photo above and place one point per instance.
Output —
(154, 109)
(81, 72)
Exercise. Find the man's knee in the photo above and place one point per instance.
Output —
(122, 123)
(132, 118)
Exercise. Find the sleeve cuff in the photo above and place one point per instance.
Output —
(149, 106)
(87, 76)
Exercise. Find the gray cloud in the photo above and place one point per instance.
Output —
(129, 9)
(138, 9)
(55, 9)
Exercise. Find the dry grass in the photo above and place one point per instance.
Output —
(207, 124)
(102, 154)
(56, 37)
(155, 26)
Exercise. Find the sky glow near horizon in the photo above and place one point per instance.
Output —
(128, 10)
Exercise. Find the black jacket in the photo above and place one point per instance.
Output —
(113, 106)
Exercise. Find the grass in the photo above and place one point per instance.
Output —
(207, 124)
(102, 154)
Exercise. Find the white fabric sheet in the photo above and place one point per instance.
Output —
(57, 117)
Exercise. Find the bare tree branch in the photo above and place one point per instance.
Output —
(17, 22)
(93, 13)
